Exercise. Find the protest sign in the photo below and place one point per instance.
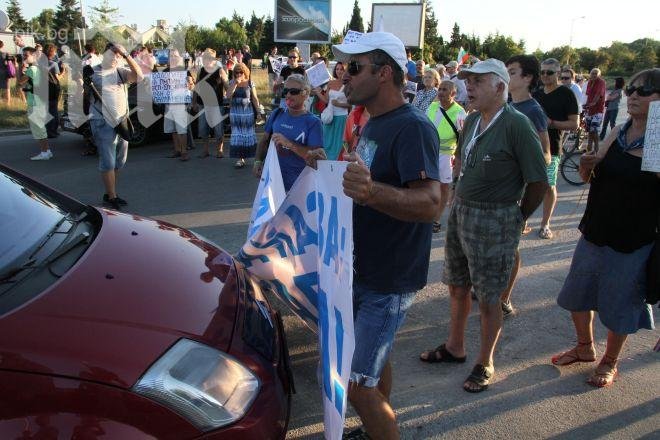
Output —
(305, 253)
(277, 63)
(318, 75)
(651, 156)
(170, 88)
(352, 36)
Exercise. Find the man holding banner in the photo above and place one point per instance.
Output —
(393, 180)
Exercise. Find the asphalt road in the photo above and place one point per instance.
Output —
(530, 398)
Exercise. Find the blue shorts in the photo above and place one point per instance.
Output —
(377, 317)
(212, 120)
(111, 148)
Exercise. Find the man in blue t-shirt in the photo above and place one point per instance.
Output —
(393, 179)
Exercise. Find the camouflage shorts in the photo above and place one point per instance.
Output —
(482, 239)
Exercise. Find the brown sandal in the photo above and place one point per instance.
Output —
(573, 355)
(605, 373)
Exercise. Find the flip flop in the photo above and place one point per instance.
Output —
(441, 354)
(572, 355)
(479, 376)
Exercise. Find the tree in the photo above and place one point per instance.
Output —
(16, 16)
(255, 30)
(266, 42)
(67, 17)
(356, 24)
(645, 59)
(432, 41)
(104, 15)
(455, 39)
(230, 34)
(41, 26)
(501, 47)
(238, 19)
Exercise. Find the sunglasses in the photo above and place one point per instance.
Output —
(354, 68)
(239, 73)
(565, 78)
(548, 72)
(294, 92)
(292, 57)
(643, 91)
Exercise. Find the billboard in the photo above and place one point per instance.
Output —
(405, 20)
(302, 21)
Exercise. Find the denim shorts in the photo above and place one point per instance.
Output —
(211, 119)
(377, 317)
(111, 148)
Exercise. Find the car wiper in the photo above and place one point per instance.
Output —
(12, 272)
(83, 237)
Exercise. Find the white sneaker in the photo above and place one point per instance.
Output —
(44, 155)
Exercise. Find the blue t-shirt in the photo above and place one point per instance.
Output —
(534, 112)
(411, 67)
(305, 129)
(392, 256)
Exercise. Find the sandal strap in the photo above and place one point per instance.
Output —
(582, 344)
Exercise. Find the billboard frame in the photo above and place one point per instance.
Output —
(419, 39)
(277, 39)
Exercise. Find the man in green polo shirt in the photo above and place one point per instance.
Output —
(500, 163)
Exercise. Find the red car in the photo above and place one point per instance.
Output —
(118, 326)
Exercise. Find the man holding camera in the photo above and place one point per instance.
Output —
(107, 88)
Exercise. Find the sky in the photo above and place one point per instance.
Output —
(596, 24)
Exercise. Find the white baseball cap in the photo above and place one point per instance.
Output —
(385, 41)
(491, 65)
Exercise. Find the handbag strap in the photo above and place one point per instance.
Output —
(451, 124)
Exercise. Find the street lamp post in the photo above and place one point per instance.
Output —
(570, 38)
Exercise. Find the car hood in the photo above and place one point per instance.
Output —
(141, 286)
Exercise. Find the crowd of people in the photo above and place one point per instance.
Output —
(484, 139)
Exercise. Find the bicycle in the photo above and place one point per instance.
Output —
(569, 168)
(573, 140)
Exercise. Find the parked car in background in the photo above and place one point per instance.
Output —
(118, 326)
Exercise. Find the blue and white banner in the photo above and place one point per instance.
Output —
(305, 251)
(270, 193)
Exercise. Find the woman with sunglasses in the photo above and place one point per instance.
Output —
(620, 224)
(293, 130)
(242, 95)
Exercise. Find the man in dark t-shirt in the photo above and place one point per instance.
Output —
(561, 107)
(393, 180)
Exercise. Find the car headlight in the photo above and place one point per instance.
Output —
(206, 386)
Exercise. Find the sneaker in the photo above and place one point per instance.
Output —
(507, 309)
(44, 155)
(114, 203)
(121, 201)
(239, 163)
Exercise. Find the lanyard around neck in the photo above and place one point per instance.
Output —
(470, 157)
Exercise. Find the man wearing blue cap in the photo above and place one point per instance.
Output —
(393, 180)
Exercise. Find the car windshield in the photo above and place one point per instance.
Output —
(26, 218)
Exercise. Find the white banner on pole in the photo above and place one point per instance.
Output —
(305, 252)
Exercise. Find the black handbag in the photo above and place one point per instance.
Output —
(125, 129)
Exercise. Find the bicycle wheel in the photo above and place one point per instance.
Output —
(569, 166)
